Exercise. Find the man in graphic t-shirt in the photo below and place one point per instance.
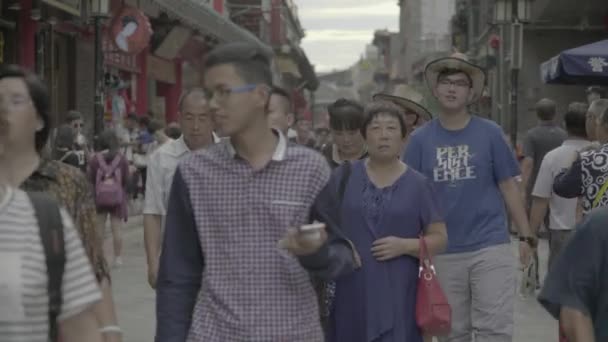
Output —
(474, 173)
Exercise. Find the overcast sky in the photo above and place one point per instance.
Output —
(338, 30)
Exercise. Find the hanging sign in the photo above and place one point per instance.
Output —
(130, 30)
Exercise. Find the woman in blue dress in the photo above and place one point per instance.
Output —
(385, 207)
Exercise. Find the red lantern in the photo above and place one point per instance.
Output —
(130, 30)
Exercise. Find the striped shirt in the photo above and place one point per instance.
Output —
(23, 285)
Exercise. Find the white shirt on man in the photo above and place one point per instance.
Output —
(562, 210)
(162, 164)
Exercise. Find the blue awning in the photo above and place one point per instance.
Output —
(587, 64)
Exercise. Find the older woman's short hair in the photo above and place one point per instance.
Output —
(377, 108)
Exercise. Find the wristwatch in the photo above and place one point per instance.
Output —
(530, 240)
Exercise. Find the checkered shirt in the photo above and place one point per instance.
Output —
(253, 291)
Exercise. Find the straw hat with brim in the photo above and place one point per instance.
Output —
(457, 61)
(408, 99)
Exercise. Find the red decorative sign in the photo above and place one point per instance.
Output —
(113, 57)
(130, 30)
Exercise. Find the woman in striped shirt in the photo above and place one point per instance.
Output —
(24, 300)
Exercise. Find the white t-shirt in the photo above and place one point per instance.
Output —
(563, 210)
(23, 278)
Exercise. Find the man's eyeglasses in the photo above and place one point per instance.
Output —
(459, 83)
(221, 94)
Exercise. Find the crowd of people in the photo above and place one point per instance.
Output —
(254, 233)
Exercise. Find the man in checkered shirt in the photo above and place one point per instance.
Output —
(233, 268)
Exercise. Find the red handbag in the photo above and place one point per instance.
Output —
(433, 312)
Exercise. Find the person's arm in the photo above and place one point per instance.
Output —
(573, 284)
(80, 291)
(541, 194)
(435, 232)
(124, 170)
(577, 326)
(506, 169)
(337, 256)
(539, 209)
(180, 267)
(569, 184)
(154, 210)
(526, 172)
(81, 327)
(527, 164)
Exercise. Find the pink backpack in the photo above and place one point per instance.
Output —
(108, 183)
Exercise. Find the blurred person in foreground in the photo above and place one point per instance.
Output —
(25, 103)
(236, 262)
(196, 119)
(576, 287)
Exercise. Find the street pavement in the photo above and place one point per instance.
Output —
(135, 300)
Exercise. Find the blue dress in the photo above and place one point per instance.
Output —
(377, 302)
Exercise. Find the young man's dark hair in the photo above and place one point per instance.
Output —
(546, 109)
(449, 72)
(346, 115)
(251, 63)
(575, 121)
(40, 98)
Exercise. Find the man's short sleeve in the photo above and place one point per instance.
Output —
(574, 280)
(543, 187)
(154, 203)
(504, 162)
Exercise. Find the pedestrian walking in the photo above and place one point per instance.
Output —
(345, 121)
(386, 209)
(195, 117)
(474, 172)
(586, 177)
(48, 287)
(280, 112)
(65, 148)
(236, 258)
(411, 102)
(562, 211)
(109, 174)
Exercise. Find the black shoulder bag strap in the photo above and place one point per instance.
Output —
(51, 235)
